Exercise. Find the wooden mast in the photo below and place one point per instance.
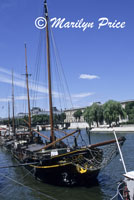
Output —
(52, 138)
(29, 112)
(9, 116)
(13, 120)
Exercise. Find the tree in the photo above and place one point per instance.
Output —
(56, 119)
(62, 117)
(40, 119)
(77, 114)
(21, 122)
(112, 110)
(129, 108)
(94, 113)
(59, 118)
(87, 116)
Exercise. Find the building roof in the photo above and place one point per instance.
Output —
(73, 109)
(127, 101)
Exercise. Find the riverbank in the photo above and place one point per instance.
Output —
(123, 129)
(103, 129)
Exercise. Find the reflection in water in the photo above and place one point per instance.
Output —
(107, 179)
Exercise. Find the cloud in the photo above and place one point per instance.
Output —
(31, 98)
(87, 76)
(6, 77)
(9, 72)
(5, 99)
(82, 95)
(20, 98)
(19, 81)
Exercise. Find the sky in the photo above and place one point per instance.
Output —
(98, 63)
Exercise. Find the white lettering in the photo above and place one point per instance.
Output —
(105, 22)
(57, 22)
(73, 24)
(41, 23)
(67, 25)
(79, 24)
(123, 24)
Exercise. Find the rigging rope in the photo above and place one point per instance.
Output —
(97, 159)
(20, 165)
(82, 140)
(60, 71)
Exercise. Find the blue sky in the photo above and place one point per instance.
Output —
(98, 63)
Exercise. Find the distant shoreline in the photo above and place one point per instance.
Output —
(103, 128)
(124, 129)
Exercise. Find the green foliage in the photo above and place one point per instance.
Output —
(40, 119)
(62, 117)
(87, 116)
(4, 122)
(129, 108)
(21, 122)
(94, 113)
(77, 114)
(58, 119)
(36, 119)
(111, 112)
(44, 119)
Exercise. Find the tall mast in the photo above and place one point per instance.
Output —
(9, 116)
(52, 138)
(29, 112)
(13, 120)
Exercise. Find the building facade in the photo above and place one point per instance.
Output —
(70, 113)
(39, 111)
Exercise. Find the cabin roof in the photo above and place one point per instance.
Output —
(35, 147)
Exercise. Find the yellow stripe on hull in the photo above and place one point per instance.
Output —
(79, 150)
(51, 166)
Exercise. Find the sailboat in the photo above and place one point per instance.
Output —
(8, 139)
(54, 161)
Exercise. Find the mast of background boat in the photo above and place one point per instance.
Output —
(52, 138)
(13, 120)
(9, 116)
(28, 98)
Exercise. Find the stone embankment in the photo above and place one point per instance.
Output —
(103, 128)
(123, 129)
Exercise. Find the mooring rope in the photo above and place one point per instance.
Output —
(29, 172)
(21, 184)
(20, 165)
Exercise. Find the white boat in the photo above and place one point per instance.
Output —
(125, 188)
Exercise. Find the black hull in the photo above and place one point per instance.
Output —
(65, 176)
(65, 169)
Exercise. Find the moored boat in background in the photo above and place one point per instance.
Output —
(125, 188)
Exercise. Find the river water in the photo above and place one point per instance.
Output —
(104, 190)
